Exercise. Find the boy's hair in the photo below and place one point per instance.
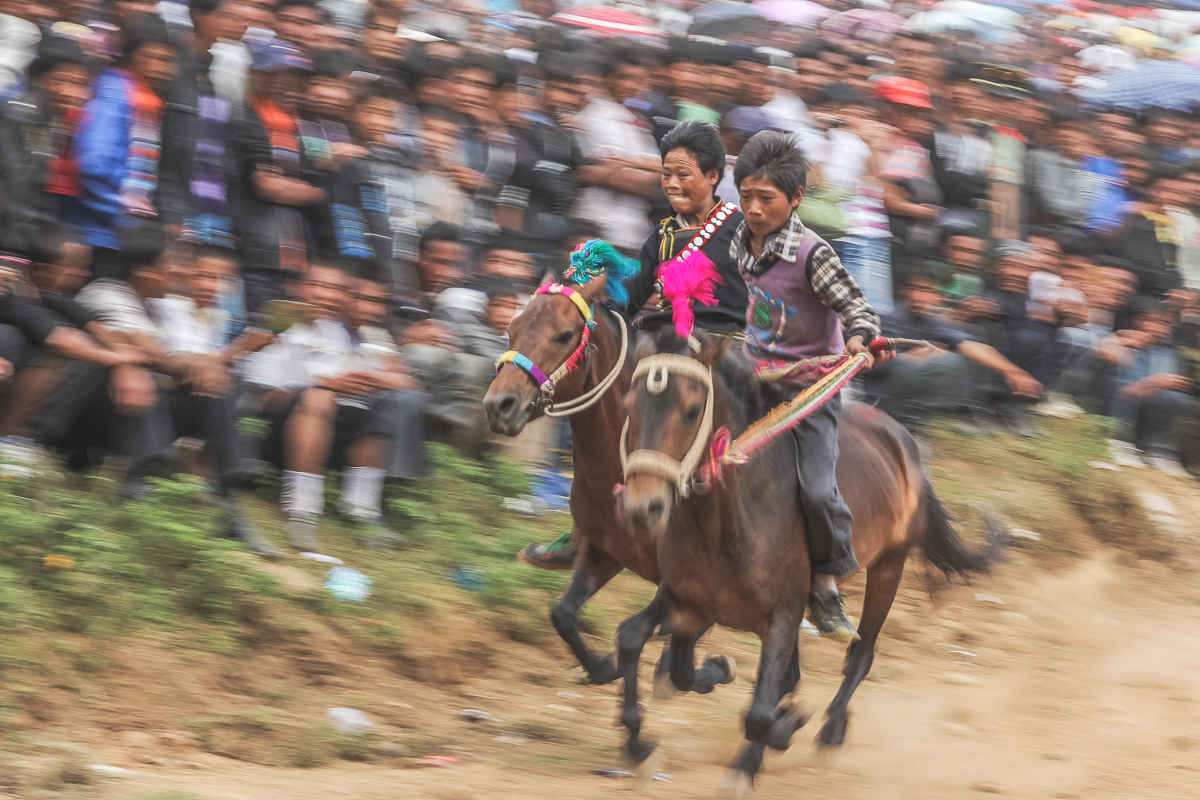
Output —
(840, 94)
(215, 251)
(496, 287)
(774, 156)
(47, 239)
(439, 232)
(701, 140)
(143, 29)
(582, 229)
(55, 51)
(337, 63)
(506, 240)
(142, 245)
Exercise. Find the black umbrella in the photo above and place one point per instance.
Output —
(725, 18)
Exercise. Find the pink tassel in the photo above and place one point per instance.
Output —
(687, 281)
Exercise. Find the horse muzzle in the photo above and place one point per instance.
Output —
(508, 412)
(645, 507)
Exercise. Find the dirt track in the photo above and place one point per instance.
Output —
(1083, 684)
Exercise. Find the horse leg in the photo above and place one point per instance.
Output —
(632, 635)
(883, 579)
(593, 569)
(767, 722)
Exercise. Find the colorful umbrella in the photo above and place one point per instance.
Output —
(988, 15)
(863, 23)
(1157, 84)
(609, 21)
(725, 18)
(800, 13)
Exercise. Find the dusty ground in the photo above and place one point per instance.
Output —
(1063, 675)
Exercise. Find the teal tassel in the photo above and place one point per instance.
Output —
(596, 257)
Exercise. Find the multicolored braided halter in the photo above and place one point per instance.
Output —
(574, 361)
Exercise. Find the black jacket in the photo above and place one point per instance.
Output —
(664, 244)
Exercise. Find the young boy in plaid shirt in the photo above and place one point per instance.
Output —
(801, 300)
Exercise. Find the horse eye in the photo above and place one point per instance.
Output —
(693, 413)
(564, 338)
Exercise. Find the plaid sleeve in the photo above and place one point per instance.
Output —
(838, 291)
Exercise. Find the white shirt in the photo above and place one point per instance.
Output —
(610, 130)
(302, 355)
(186, 328)
(118, 306)
(1187, 257)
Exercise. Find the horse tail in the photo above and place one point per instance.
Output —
(945, 549)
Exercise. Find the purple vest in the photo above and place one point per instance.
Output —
(786, 319)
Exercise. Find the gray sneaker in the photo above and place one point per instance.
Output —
(246, 533)
(302, 533)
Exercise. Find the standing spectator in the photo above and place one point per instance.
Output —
(118, 143)
(911, 195)
(38, 175)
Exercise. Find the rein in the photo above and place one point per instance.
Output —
(689, 475)
(546, 385)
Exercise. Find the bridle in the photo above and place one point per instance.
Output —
(545, 401)
(658, 370)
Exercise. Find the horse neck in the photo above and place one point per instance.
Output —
(598, 427)
(715, 514)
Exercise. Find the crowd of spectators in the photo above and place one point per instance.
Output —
(295, 232)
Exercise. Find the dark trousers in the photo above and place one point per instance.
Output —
(1155, 425)
(827, 519)
(14, 347)
(912, 390)
(263, 285)
(211, 420)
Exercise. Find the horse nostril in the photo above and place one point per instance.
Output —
(507, 404)
(654, 509)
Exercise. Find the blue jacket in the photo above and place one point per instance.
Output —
(102, 153)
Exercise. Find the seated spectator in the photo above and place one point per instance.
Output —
(487, 334)
(1150, 392)
(332, 402)
(504, 258)
(918, 383)
(960, 271)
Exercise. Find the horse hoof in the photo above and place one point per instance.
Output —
(790, 720)
(664, 687)
(727, 664)
(736, 785)
(825, 757)
(644, 772)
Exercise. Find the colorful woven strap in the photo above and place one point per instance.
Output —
(572, 295)
(518, 360)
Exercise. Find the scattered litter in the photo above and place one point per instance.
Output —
(1021, 533)
(968, 664)
(963, 653)
(1104, 465)
(677, 721)
(321, 558)
(624, 773)
(111, 772)
(348, 585)
(1013, 615)
(473, 579)
(52, 561)
(519, 739)
(349, 720)
(571, 695)
(475, 715)
(988, 598)
(439, 761)
(557, 707)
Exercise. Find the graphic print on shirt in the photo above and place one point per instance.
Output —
(767, 317)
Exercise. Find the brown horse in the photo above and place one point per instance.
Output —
(547, 332)
(736, 555)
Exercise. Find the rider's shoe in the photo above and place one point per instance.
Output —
(559, 554)
(828, 613)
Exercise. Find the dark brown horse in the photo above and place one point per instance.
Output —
(737, 555)
(548, 332)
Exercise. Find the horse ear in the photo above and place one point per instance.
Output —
(712, 348)
(593, 291)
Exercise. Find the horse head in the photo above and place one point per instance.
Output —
(545, 336)
(670, 408)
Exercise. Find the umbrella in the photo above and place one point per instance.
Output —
(1136, 37)
(725, 18)
(799, 13)
(988, 15)
(1158, 84)
(609, 21)
(1106, 56)
(863, 23)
